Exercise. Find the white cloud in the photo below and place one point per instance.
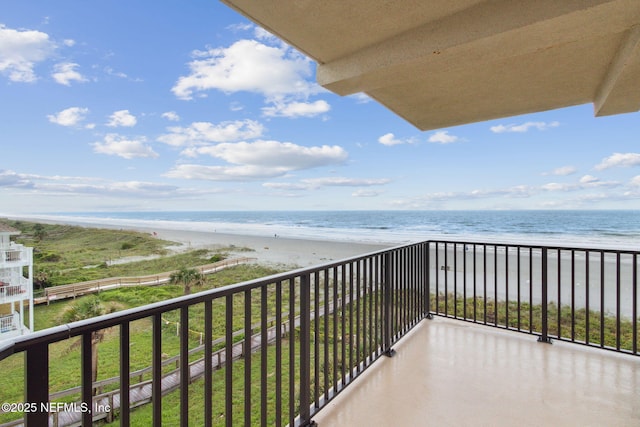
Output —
(258, 160)
(9, 178)
(365, 193)
(69, 117)
(262, 34)
(297, 109)
(562, 171)
(275, 154)
(524, 127)
(345, 182)
(389, 140)
(248, 65)
(316, 183)
(117, 145)
(240, 27)
(204, 133)
(597, 197)
(65, 73)
(140, 188)
(588, 179)
(21, 51)
(172, 116)
(83, 185)
(360, 98)
(443, 137)
(224, 173)
(122, 118)
(586, 182)
(286, 185)
(258, 32)
(515, 191)
(117, 189)
(427, 200)
(111, 72)
(555, 186)
(583, 189)
(518, 191)
(619, 160)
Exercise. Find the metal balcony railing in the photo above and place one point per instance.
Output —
(580, 295)
(317, 329)
(284, 346)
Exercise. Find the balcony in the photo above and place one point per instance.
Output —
(450, 373)
(15, 255)
(10, 326)
(317, 337)
(14, 290)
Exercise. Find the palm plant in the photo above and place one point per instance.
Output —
(87, 308)
(187, 277)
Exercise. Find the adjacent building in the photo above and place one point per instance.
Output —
(16, 285)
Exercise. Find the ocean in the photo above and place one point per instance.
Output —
(611, 229)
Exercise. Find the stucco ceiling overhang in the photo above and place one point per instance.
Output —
(441, 63)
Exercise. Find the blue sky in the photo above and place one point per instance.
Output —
(172, 105)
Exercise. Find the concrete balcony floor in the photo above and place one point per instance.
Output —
(453, 373)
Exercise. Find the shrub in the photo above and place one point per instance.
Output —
(49, 257)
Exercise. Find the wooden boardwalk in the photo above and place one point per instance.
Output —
(56, 293)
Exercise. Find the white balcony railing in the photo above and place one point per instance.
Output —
(8, 323)
(13, 255)
(14, 291)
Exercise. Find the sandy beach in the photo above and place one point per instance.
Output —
(282, 252)
(276, 251)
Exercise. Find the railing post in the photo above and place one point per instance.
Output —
(87, 376)
(305, 349)
(36, 379)
(427, 287)
(386, 296)
(125, 366)
(185, 374)
(246, 353)
(545, 300)
(156, 354)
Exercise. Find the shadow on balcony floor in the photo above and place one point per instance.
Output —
(452, 373)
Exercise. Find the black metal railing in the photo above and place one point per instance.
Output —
(276, 350)
(290, 343)
(585, 296)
